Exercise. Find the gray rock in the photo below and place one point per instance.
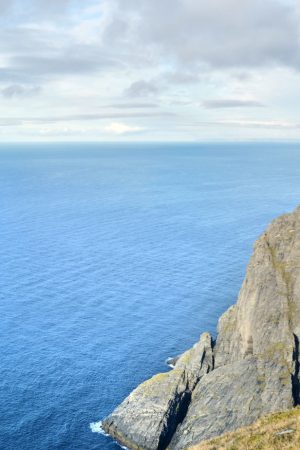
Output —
(232, 396)
(148, 418)
(171, 362)
(252, 370)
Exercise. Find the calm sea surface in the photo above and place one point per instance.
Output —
(113, 258)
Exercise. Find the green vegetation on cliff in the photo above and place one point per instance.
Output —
(279, 431)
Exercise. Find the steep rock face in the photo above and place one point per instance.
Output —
(148, 418)
(252, 370)
(267, 311)
(232, 396)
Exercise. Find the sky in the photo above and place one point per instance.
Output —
(149, 70)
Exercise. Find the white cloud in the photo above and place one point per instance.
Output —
(121, 128)
(229, 103)
(269, 124)
(258, 124)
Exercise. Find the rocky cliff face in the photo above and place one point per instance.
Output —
(251, 370)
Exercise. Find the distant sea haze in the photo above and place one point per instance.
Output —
(114, 258)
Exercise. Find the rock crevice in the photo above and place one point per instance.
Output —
(295, 376)
(252, 369)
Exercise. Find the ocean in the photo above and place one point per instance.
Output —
(113, 258)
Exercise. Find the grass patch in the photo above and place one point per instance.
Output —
(262, 435)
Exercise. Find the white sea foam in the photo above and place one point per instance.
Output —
(96, 427)
(169, 362)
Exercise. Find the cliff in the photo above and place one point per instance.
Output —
(278, 431)
(251, 370)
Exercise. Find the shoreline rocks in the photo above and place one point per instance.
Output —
(251, 370)
(150, 415)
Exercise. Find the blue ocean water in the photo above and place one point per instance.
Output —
(113, 258)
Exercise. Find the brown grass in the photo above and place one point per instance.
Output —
(262, 435)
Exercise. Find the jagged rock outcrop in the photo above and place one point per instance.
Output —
(252, 370)
(148, 418)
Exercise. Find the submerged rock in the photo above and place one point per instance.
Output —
(252, 370)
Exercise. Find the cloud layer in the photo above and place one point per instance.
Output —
(171, 69)
(218, 33)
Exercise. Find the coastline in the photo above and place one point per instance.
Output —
(252, 368)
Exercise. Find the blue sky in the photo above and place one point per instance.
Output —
(160, 70)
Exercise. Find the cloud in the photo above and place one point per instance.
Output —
(43, 61)
(133, 105)
(35, 8)
(181, 77)
(17, 90)
(245, 123)
(180, 38)
(82, 117)
(74, 61)
(4, 6)
(218, 33)
(49, 6)
(121, 128)
(10, 122)
(269, 124)
(142, 88)
(231, 103)
(35, 50)
(111, 62)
